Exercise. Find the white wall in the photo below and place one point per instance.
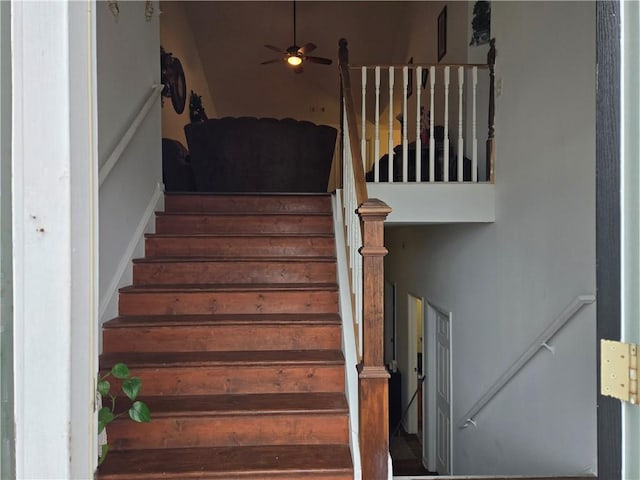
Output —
(176, 37)
(505, 282)
(128, 52)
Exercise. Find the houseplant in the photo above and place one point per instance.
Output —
(130, 386)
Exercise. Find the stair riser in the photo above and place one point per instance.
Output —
(255, 203)
(239, 246)
(202, 303)
(232, 379)
(195, 338)
(189, 273)
(229, 430)
(186, 224)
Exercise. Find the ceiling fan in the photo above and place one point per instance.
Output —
(295, 56)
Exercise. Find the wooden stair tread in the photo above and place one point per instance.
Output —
(239, 258)
(244, 404)
(225, 287)
(225, 462)
(239, 234)
(224, 358)
(239, 319)
(243, 213)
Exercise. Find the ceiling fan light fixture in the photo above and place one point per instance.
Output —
(294, 60)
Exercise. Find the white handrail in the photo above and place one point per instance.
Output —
(540, 342)
(129, 134)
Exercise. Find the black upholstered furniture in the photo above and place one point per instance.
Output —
(424, 162)
(177, 174)
(248, 154)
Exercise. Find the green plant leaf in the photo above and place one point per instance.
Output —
(105, 416)
(120, 370)
(101, 426)
(139, 412)
(131, 387)
(103, 453)
(103, 387)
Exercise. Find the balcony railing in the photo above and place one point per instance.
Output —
(426, 123)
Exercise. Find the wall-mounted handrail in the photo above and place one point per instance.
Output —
(129, 133)
(541, 341)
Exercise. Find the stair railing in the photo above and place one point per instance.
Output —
(437, 136)
(365, 235)
(541, 341)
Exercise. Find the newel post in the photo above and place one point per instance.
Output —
(373, 384)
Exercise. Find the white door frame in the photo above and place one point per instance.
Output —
(630, 221)
(54, 195)
(429, 446)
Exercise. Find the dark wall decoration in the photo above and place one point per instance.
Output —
(196, 110)
(172, 77)
(481, 23)
(442, 33)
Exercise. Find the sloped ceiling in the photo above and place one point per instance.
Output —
(231, 36)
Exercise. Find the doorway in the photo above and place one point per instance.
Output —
(437, 448)
(412, 394)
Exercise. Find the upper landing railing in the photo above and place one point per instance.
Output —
(420, 114)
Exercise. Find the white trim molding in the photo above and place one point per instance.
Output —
(127, 257)
(348, 335)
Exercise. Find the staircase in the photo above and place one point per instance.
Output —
(232, 324)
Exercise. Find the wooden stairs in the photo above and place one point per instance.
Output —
(232, 324)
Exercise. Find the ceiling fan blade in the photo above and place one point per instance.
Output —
(276, 49)
(308, 48)
(271, 61)
(321, 60)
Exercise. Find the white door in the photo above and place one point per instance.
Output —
(443, 393)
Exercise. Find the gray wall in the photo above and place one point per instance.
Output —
(128, 51)
(7, 469)
(506, 281)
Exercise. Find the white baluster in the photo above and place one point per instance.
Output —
(391, 159)
(432, 114)
(474, 153)
(460, 135)
(363, 141)
(418, 139)
(376, 152)
(405, 142)
(445, 155)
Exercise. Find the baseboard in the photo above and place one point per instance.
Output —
(348, 334)
(127, 257)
